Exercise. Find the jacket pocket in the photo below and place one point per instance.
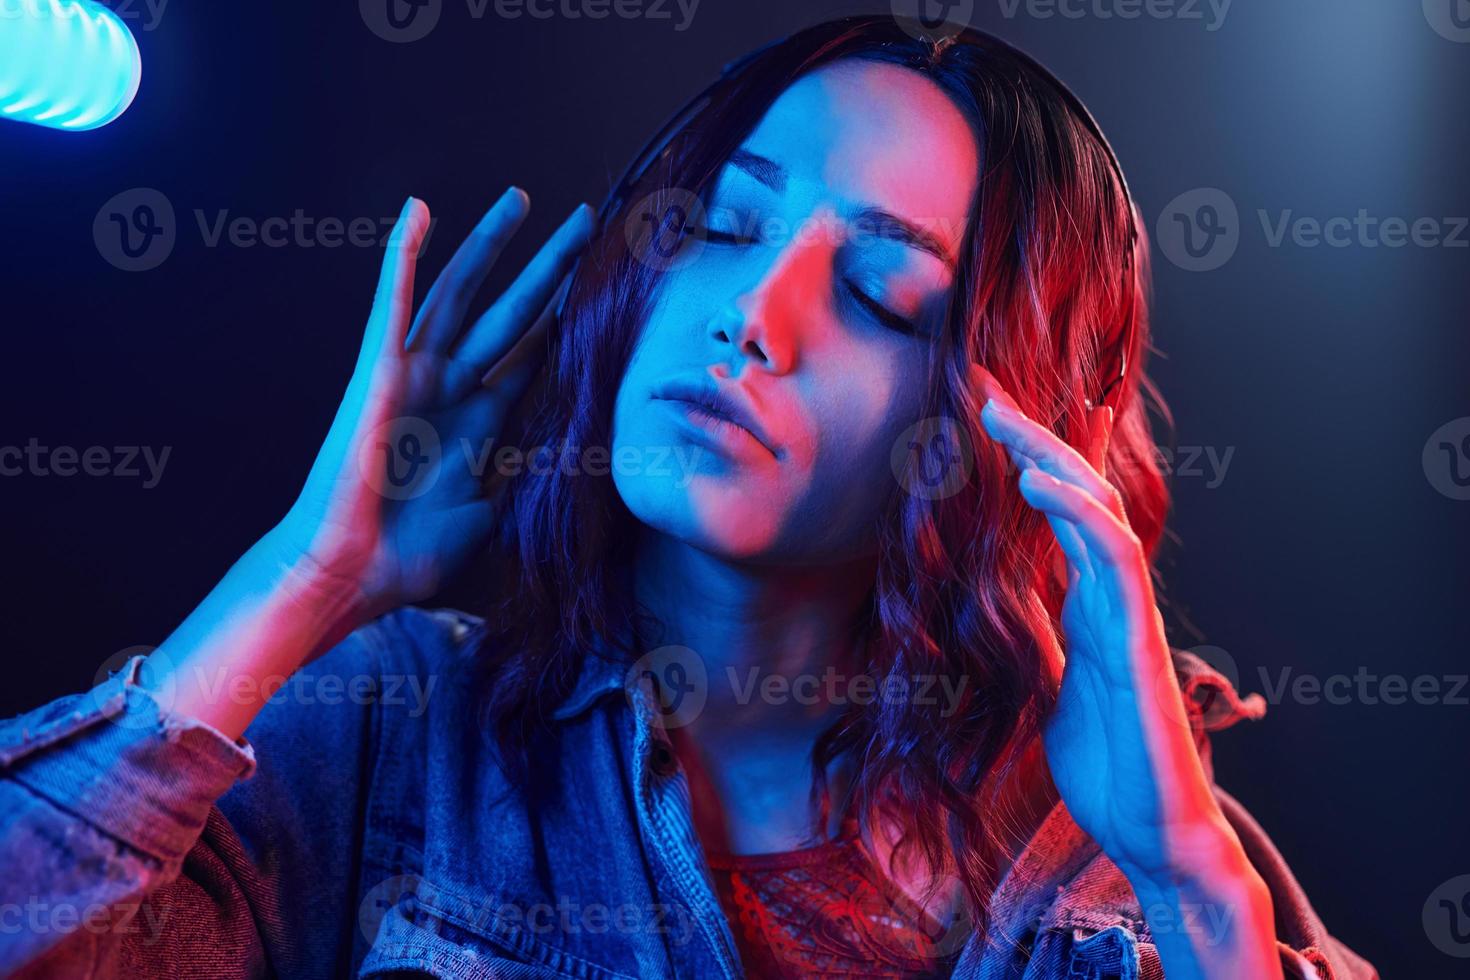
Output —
(421, 929)
(1110, 954)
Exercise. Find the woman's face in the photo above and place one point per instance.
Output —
(809, 310)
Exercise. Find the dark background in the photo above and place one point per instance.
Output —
(1326, 549)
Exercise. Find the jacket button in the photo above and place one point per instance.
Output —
(664, 762)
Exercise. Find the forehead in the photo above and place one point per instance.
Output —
(875, 133)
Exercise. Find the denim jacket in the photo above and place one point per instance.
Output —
(361, 829)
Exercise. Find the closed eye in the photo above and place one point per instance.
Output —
(879, 312)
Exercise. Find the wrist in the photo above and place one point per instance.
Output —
(328, 601)
(269, 615)
(1207, 859)
(1212, 918)
(1187, 852)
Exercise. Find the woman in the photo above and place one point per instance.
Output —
(822, 636)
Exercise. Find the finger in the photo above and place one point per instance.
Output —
(989, 386)
(1100, 436)
(1014, 430)
(521, 305)
(1110, 544)
(1054, 454)
(511, 375)
(388, 322)
(1074, 552)
(444, 308)
(1074, 548)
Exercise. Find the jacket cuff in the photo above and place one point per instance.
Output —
(1309, 964)
(118, 759)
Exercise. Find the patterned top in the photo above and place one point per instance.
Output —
(825, 911)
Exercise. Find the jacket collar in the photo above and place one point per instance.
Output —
(599, 677)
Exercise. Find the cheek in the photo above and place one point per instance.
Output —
(861, 405)
(736, 508)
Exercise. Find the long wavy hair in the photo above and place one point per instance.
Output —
(1054, 283)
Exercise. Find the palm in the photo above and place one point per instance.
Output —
(440, 513)
(1094, 740)
(396, 498)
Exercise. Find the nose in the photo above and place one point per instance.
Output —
(768, 323)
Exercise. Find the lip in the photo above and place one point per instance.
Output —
(721, 403)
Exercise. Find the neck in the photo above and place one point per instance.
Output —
(769, 637)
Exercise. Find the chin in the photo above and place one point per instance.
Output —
(719, 513)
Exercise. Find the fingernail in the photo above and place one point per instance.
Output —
(579, 218)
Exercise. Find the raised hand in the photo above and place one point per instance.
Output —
(1119, 743)
(392, 503)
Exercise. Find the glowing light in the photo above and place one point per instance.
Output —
(66, 64)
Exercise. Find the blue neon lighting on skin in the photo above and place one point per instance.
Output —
(66, 64)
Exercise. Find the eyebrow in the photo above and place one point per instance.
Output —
(885, 223)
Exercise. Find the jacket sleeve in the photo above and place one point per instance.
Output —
(1308, 951)
(137, 842)
(1064, 909)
